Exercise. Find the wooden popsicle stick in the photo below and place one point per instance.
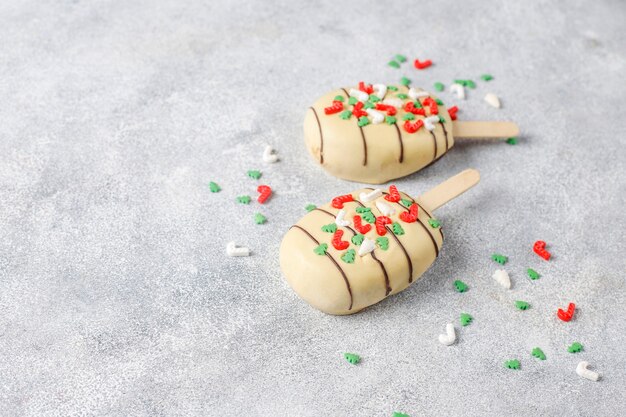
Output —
(449, 189)
(484, 130)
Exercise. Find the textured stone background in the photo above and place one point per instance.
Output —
(116, 296)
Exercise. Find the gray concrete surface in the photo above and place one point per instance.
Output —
(116, 297)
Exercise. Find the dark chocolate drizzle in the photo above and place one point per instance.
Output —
(339, 268)
(319, 125)
(401, 144)
(445, 132)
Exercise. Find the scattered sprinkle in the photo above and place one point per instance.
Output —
(254, 174)
(310, 207)
(465, 319)
(522, 305)
(368, 216)
(422, 64)
(486, 77)
(566, 315)
(398, 414)
(434, 223)
(406, 202)
(492, 100)
(501, 259)
(363, 121)
(264, 193)
(259, 218)
(357, 239)
(582, 371)
(363, 209)
(512, 141)
(393, 64)
(392, 88)
(405, 81)
(512, 364)
(502, 278)
(408, 116)
(346, 114)
(390, 120)
(575, 348)
(339, 98)
(353, 358)
(382, 243)
(532, 274)
(458, 90)
(538, 353)
(450, 336)
(244, 199)
(402, 96)
(233, 250)
(349, 256)
(321, 249)
(352, 101)
(214, 187)
(397, 229)
(269, 155)
(329, 228)
(400, 58)
(366, 247)
(439, 86)
(460, 286)
(540, 249)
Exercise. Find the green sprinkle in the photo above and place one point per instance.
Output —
(339, 98)
(346, 114)
(310, 207)
(368, 217)
(538, 353)
(501, 259)
(402, 96)
(400, 58)
(352, 101)
(486, 77)
(348, 257)
(408, 116)
(214, 187)
(353, 358)
(393, 64)
(357, 239)
(368, 105)
(460, 286)
(382, 242)
(244, 199)
(439, 102)
(392, 88)
(512, 364)
(397, 414)
(406, 202)
(442, 119)
(471, 84)
(259, 218)
(512, 141)
(254, 174)
(532, 274)
(397, 229)
(434, 223)
(417, 104)
(329, 228)
(462, 82)
(363, 121)
(373, 98)
(465, 319)
(575, 348)
(321, 249)
(363, 209)
(390, 120)
(522, 305)
(439, 86)
(405, 81)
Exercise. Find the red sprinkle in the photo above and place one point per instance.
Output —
(335, 108)
(381, 221)
(411, 215)
(413, 127)
(394, 195)
(540, 249)
(410, 107)
(362, 228)
(358, 111)
(338, 201)
(369, 89)
(337, 242)
(452, 112)
(566, 315)
(265, 191)
(422, 64)
(432, 105)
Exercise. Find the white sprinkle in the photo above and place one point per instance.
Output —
(414, 94)
(233, 250)
(366, 247)
(450, 336)
(582, 370)
(502, 278)
(429, 122)
(492, 100)
(269, 156)
(377, 117)
(395, 102)
(459, 90)
(360, 95)
(380, 90)
(371, 196)
(339, 219)
(385, 208)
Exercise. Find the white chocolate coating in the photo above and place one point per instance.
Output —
(375, 153)
(337, 287)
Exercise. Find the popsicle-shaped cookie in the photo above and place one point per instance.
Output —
(376, 133)
(364, 246)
